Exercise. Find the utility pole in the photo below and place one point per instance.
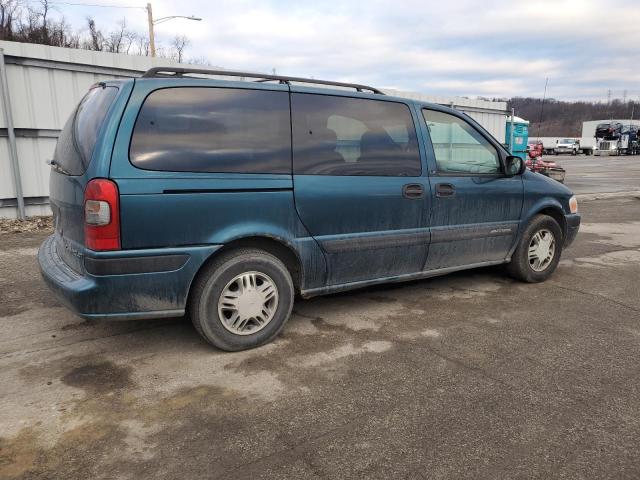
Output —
(152, 40)
(152, 22)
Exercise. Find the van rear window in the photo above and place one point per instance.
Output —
(207, 129)
(80, 134)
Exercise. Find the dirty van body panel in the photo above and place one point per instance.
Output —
(479, 224)
(205, 217)
(118, 296)
(474, 218)
(180, 208)
(366, 225)
(544, 193)
(66, 195)
(75, 163)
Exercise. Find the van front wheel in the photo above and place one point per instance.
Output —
(538, 251)
(242, 299)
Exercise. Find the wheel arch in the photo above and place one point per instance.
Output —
(553, 209)
(558, 216)
(274, 245)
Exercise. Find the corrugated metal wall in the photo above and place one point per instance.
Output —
(45, 83)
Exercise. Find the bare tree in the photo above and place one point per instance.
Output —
(96, 39)
(44, 11)
(9, 11)
(22, 21)
(179, 43)
(141, 45)
(116, 40)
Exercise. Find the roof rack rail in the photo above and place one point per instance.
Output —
(164, 72)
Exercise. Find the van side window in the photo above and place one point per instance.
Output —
(335, 135)
(460, 148)
(226, 130)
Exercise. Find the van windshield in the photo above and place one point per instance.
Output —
(80, 133)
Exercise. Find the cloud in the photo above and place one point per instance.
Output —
(464, 47)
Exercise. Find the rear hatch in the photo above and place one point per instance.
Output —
(69, 173)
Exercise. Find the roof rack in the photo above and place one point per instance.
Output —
(164, 72)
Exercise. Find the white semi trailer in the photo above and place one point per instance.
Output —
(613, 137)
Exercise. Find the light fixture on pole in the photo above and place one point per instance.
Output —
(152, 22)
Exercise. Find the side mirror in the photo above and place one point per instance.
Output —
(514, 165)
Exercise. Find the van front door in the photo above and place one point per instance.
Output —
(358, 185)
(475, 208)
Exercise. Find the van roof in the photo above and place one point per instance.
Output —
(164, 72)
(323, 86)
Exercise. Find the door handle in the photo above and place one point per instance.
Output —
(412, 190)
(445, 190)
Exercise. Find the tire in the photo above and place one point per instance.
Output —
(221, 276)
(520, 266)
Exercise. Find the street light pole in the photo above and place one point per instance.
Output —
(152, 22)
(152, 39)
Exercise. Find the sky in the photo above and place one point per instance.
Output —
(488, 48)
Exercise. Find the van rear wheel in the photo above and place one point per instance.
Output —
(242, 299)
(538, 251)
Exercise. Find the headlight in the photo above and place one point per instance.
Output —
(573, 204)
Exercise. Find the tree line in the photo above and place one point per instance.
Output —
(42, 23)
(564, 119)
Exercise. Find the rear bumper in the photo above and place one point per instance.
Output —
(124, 285)
(573, 225)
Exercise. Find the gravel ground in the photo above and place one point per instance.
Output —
(31, 224)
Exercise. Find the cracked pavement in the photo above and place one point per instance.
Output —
(471, 375)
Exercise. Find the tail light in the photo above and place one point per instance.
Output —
(102, 215)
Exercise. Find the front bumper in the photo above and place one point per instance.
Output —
(573, 225)
(126, 284)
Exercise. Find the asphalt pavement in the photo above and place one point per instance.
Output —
(471, 375)
(600, 174)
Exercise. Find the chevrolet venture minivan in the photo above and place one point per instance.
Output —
(179, 193)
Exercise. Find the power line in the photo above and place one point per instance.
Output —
(79, 4)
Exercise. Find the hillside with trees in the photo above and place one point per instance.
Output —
(560, 119)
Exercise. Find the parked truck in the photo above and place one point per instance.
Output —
(567, 146)
(583, 145)
(614, 138)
